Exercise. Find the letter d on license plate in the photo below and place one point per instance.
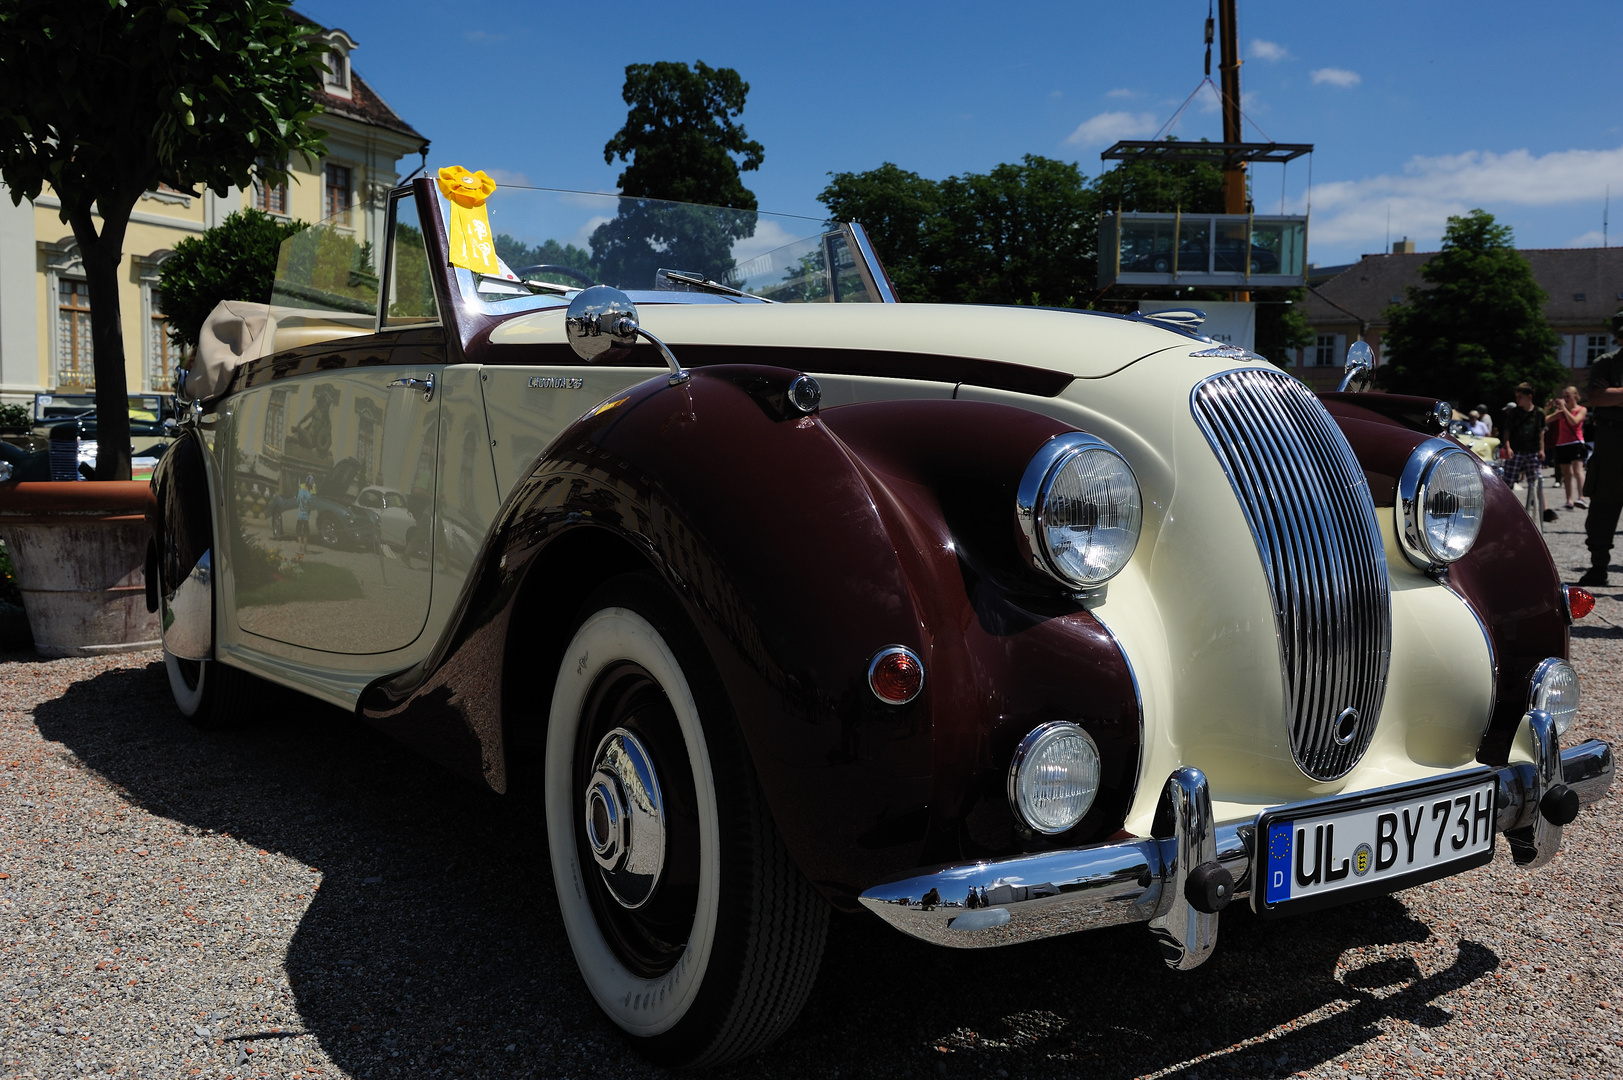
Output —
(1330, 851)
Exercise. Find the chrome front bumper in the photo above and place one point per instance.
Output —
(1178, 883)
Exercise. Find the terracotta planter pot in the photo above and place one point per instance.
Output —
(79, 549)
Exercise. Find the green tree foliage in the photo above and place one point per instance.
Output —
(1161, 187)
(518, 255)
(235, 260)
(106, 99)
(1477, 327)
(1021, 233)
(681, 133)
(1282, 327)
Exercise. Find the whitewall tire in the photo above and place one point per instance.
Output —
(692, 928)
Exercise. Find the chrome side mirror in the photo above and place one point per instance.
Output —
(1359, 370)
(602, 321)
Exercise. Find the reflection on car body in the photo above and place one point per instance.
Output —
(995, 623)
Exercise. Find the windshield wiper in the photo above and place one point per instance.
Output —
(544, 286)
(714, 286)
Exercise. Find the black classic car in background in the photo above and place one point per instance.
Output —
(996, 623)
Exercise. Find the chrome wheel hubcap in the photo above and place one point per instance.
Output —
(625, 819)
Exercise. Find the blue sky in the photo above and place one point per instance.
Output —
(1418, 110)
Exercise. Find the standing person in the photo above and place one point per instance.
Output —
(1570, 450)
(301, 527)
(1603, 486)
(1522, 425)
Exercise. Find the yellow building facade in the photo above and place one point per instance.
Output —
(44, 303)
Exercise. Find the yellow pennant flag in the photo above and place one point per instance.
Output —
(468, 231)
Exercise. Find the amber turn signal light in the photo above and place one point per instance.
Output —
(1580, 602)
(895, 675)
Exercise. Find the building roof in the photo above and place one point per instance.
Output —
(1368, 287)
(365, 105)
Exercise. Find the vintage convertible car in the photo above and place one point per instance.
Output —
(996, 623)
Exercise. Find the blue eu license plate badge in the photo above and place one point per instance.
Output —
(1279, 862)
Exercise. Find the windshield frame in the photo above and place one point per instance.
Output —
(465, 282)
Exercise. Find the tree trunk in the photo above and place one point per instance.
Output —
(103, 255)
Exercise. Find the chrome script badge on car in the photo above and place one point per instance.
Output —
(547, 382)
(1225, 352)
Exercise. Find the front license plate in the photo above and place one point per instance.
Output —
(1334, 850)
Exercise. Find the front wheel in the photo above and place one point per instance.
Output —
(329, 531)
(692, 927)
(208, 694)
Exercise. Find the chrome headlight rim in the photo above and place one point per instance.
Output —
(1035, 484)
(1035, 740)
(1416, 475)
(1539, 684)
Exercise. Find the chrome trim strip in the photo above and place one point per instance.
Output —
(1307, 504)
(1028, 897)
(870, 258)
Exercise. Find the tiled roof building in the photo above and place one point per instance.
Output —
(1585, 286)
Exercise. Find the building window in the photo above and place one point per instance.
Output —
(335, 73)
(269, 198)
(1324, 350)
(276, 421)
(1594, 347)
(75, 364)
(340, 191)
(162, 353)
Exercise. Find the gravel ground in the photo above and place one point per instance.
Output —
(305, 899)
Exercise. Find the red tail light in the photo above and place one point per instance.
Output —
(896, 675)
(1580, 602)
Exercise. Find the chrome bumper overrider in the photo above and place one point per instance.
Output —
(1178, 883)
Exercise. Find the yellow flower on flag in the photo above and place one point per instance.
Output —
(468, 231)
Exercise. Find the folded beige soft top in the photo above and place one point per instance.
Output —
(238, 331)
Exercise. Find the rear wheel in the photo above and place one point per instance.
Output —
(693, 929)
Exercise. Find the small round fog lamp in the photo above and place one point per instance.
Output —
(1554, 689)
(1054, 777)
(896, 675)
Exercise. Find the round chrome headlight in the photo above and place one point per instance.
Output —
(1079, 510)
(1054, 777)
(1554, 689)
(1440, 504)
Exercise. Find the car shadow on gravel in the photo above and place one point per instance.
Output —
(434, 941)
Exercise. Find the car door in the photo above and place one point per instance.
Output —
(335, 581)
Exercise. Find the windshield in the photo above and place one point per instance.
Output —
(577, 239)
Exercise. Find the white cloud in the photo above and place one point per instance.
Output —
(1353, 213)
(1110, 126)
(481, 36)
(1337, 77)
(510, 178)
(1268, 50)
(1592, 238)
(1122, 92)
(1056, 93)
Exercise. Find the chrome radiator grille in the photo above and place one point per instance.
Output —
(1310, 513)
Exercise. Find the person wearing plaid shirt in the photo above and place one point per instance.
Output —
(1524, 437)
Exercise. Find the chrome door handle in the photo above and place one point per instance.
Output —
(425, 385)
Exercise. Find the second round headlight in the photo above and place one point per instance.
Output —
(1440, 504)
(1054, 777)
(1080, 510)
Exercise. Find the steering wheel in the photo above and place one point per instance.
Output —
(552, 268)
